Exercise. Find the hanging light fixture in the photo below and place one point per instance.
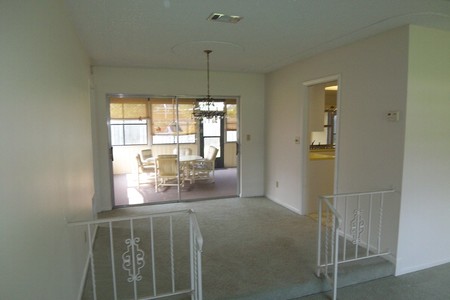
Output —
(207, 107)
(173, 126)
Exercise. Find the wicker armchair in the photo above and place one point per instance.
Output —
(148, 170)
(204, 169)
(167, 172)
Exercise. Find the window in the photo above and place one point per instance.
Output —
(231, 122)
(165, 128)
(129, 121)
(128, 132)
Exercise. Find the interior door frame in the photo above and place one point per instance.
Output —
(305, 136)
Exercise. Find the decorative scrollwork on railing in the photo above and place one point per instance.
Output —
(358, 226)
(134, 273)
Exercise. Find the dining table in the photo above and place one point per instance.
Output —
(186, 165)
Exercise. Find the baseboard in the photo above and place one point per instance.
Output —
(404, 271)
(391, 258)
(291, 208)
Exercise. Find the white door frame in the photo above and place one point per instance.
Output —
(132, 95)
(305, 136)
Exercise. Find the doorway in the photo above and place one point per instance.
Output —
(212, 134)
(155, 126)
(320, 140)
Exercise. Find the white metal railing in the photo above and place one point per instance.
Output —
(350, 228)
(152, 249)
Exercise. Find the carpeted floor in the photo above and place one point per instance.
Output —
(126, 191)
(249, 245)
(253, 248)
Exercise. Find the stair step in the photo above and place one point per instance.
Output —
(364, 270)
(349, 274)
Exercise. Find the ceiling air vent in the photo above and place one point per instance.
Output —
(217, 17)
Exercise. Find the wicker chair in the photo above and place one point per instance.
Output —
(167, 173)
(148, 170)
(147, 157)
(204, 169)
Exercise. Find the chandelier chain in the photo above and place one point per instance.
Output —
(206, 108)
(207, 72)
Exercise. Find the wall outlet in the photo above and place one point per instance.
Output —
(393, 116)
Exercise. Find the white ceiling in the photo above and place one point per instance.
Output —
(272, 33)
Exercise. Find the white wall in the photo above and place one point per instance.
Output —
(46, 151)
(249, 87)
(370, 148)
(425, 208)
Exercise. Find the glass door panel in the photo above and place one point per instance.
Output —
(211, 135)
(165, 127)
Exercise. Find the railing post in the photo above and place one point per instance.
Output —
(380, 223)
(336, 256)
(172, 262)
(113, 268)
(344, 251)
(152, 251)
(199, 276)
(319, 240)
(192, 256)
(91, 258)
(196, 258)
(369, 228)
(326, 239)
(133, 259)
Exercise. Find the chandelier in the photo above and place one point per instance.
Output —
(207, 108)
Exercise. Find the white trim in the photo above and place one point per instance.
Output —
(402, 271)
(305, 153)
(391, 258)
(291, 208)
(322, 80)
(305, 132)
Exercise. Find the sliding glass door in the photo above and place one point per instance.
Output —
(142, 129)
